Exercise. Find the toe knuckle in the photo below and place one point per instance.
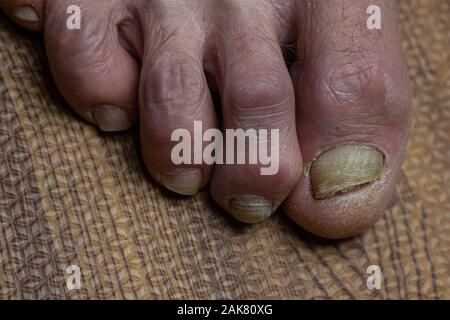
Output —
(362, 89)
(264, 97)
(354, 83)
(174, 89)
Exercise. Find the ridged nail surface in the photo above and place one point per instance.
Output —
(111, 118)
(184, 181)
(26, 13)
(344, 168)
(250, 208)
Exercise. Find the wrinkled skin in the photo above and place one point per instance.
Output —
(347, 85)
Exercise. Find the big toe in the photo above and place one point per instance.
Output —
(353, 120)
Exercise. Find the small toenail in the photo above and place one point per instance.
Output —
(26, 13)
(344, 168)
(185, 181)
(249, 208)
(111, 118)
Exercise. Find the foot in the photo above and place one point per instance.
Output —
(342, 109)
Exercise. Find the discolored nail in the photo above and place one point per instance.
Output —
(185, 181)
(344, 168)
(26, 13)
(250, 208)
(111, 118)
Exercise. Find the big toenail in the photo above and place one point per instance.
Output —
(26, 13)
(250, 208)
(111, 118)
(185, 181)
(344, 168)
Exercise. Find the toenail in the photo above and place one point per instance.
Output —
(249, 208)
(111, 118)
(344, 168)
(26, 13)
(185, 181)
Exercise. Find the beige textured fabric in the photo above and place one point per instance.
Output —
(72, 196)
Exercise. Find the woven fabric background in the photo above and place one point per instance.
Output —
(70, 195)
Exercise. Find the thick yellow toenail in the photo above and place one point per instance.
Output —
(185, 181)
(344, 168)
(249, 208)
